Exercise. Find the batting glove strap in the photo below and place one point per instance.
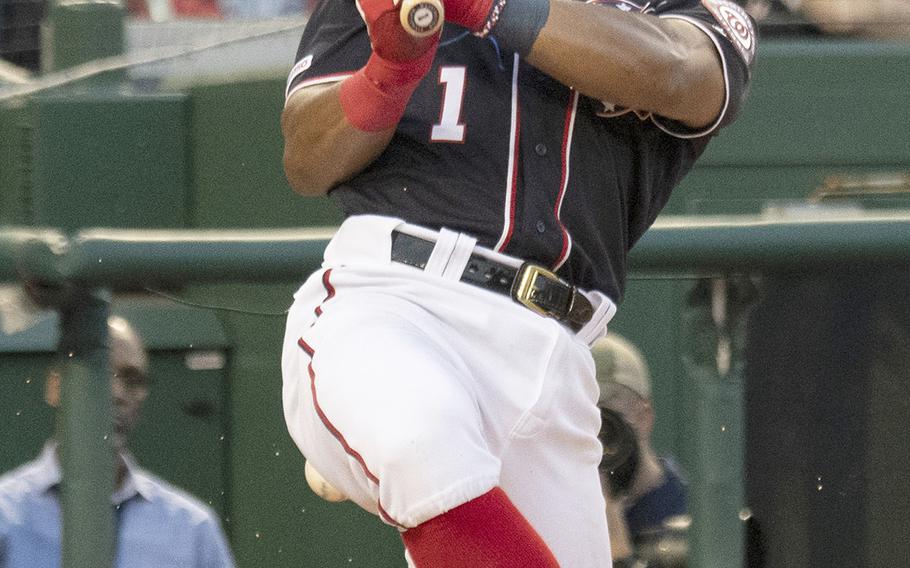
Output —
(374, 98)
(472, 14)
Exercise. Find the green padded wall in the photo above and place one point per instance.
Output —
(16, 127)
(816, 108)
(109, 157)
(237, 147)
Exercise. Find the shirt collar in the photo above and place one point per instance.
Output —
(47, 473)
(135, 481)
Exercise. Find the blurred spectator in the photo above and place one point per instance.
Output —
(263, 9)
(883, 19)
(166, 10)
(158, 524)
(776, 18)
(20, 32)
(886, 19)
(646, 496)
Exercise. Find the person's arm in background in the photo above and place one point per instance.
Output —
(620, 541)
(884, 19)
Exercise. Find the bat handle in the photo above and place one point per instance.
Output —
(421, 18)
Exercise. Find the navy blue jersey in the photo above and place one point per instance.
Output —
(490, 146)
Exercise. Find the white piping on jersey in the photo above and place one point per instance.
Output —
(566, 161)
(723, 59)
(316, 81)
(508, 214)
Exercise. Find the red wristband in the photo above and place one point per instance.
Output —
(375, 97)
(472, 14)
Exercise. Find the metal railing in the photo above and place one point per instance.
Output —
(76, 273)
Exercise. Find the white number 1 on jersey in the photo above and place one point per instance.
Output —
(449, 129)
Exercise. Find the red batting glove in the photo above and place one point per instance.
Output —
(471, 14)
(375, 97)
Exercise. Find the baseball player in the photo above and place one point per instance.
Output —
(437, 369)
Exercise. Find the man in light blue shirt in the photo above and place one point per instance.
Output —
(158, 525)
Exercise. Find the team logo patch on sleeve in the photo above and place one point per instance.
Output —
(737, 24)
(300, 67)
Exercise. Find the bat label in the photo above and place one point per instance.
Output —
(423, 17)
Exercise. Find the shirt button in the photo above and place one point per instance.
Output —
(541, 227)
(541, 149)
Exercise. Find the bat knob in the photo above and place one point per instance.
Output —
(421, 18)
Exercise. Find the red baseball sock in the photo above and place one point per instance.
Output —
(486, 532)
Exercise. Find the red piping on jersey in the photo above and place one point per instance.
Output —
(569, 128)
(513, 202)
(328, 288)
(335, 432)
(512, 187)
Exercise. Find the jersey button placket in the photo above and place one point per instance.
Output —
(540, 149)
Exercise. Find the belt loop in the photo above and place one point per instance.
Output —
(442, 252)
(464, 247)
(604, 310)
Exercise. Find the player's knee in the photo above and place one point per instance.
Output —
(430, 451)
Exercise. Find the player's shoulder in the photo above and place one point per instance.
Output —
(720, 18)
(27, 478)
(18, 487)
(171, 500)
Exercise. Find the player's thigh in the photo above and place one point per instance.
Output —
(396, 400)
(550, 471)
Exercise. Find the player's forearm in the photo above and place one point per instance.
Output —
(321, 148)
(668, 67)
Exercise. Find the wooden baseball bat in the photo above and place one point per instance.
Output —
(421, 18)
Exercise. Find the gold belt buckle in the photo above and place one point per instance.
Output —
(526, 288)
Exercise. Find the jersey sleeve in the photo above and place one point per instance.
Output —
(334, 46)
(732, 32)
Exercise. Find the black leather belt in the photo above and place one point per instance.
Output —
(530, 285)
